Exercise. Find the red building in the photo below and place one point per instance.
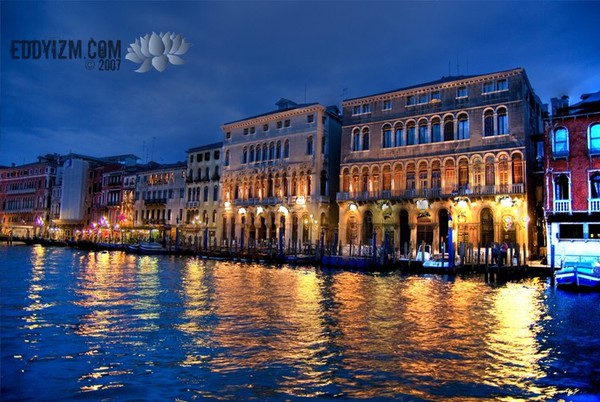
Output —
(25, 193)
(572, 177)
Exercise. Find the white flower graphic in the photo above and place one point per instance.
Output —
(157, 51)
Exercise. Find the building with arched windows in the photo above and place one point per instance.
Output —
(450, 152)
(280, 177)
(572, 173)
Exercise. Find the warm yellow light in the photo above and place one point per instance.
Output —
(242, 211)
(283, 210)
(259, 210)
(353, 207)
(300, 200)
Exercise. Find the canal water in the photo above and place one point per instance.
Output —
(112, 326)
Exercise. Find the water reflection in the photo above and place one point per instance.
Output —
(116, 326)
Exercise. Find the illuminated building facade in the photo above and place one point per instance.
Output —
(25, 193)
(572, 176)
(450, 152)
(202, 195)
(159, 200)
(280, 174)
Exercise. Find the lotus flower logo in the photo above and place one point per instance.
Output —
(157, 51)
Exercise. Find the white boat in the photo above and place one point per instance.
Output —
(579, 274)
(147, 248)
(437, 262)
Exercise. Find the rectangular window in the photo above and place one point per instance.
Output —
(435, 96)
(569, 231)
(310, 118)
(245, 131)
(387, 105)
(207, 156)
(252, 130)
(217, 154)
(461, 92)
(228, 135)
(265, 127)
(356, 110)
(488, 87)
(287, 123)
(423, 98)
(199, 157)
(502, 85)
(411, 100)
(279, 124)
(594, 231)
(366, 108)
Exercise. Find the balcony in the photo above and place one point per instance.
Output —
(446, 192)
(562, 206)
(594, 205)
(155, 201)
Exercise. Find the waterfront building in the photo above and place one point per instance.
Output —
(159, 201)
(202, 195)
(25, 194)
(453, 153)
(280, 174)
(572, 172)
(77, 206)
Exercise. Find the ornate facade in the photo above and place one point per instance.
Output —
(450, 152)
(280, 174)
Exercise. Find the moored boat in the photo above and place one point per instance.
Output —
(579, 274)
(147, 248)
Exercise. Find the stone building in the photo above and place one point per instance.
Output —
(202, 194)
(572, 172)
(450, 152)
(280, 174)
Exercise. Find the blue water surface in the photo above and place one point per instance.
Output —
(112, 326)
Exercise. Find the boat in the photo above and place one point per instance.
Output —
(147, 248)
(582, 274)
(437, 262)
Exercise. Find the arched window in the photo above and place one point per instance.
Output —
(323, 183)
(436, 176)
(309, 145)
(399, 136)
(561, 187)
(286, 149)
(356, 139)
(487, 227)
(206, 194)
(251, 158)
(502, 121)
(271, 151)
(215, 193)
(490, 172)
(410, 134)
(244, 156)
(410, 177)
(365, 139)
(346, 181)
(449, 177)
(488, 123)
(463, 174)
(436, 130)
(594, 138)
(517, 169)
(423, 176)
(560, 142)
(448, 129)
(278, 150)
(423, 133)
(503, 173)
(386, 140)
(463, 127)
(595, 185)
(258, 153)
(477, 178)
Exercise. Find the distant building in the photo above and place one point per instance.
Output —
(280, 176)
(159, 201)
(458, 148)
(25, 194)
(202, 195)
(572, 173)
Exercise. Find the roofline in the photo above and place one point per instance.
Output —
(276, 112)
(205, 147)
(441, 81)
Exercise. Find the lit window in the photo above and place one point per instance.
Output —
(594, 134)
(560, 142)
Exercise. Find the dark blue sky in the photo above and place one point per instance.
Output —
(247, 55)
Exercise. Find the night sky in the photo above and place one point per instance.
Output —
(247, 55)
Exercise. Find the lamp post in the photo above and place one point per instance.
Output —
(242, 212)
(450, 245)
